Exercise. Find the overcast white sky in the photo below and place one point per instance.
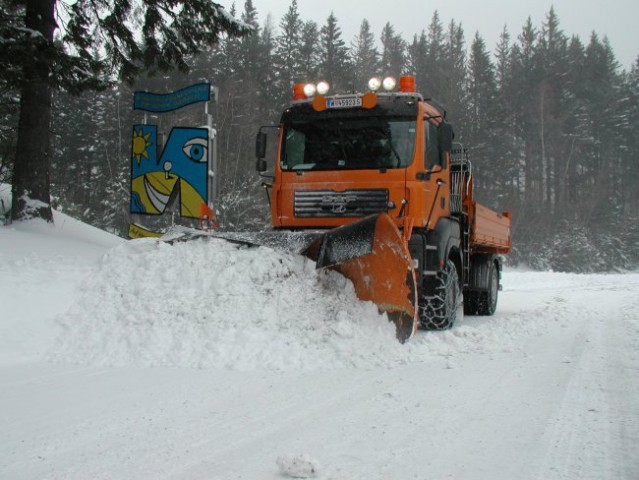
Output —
(618, 19)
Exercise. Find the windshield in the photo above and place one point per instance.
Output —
(348, 143)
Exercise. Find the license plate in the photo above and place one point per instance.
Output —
(344, 102)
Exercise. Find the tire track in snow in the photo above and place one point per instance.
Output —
(593, 429)
(625, 378)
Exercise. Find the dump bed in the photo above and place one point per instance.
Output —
(490, 230)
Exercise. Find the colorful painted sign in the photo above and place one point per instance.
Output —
(166, 102)
(181, 167)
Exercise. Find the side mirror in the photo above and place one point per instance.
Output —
(446, 135)
(260, 145)
(261, 165)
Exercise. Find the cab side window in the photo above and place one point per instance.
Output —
(432, 145)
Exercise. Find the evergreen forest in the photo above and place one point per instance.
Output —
(550, 120)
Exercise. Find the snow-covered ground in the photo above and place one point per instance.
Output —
(136, 360)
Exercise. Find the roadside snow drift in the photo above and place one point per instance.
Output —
(213, 303)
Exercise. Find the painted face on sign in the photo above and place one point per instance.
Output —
(182, 165)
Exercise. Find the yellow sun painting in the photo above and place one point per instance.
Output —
(140, 144)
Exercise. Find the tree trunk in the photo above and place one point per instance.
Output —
(30, 190)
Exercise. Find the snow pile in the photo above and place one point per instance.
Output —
(210, 303)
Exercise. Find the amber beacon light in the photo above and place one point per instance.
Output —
(407, 84)
(298, 92)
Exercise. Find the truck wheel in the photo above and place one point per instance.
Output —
(484, 303)
(493, 289)
(439, 311)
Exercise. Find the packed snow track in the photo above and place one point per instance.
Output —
(202, 360)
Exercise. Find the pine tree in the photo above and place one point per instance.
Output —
(602, 84)
(454, 61)
(287, 53)
(482, 92)
(632, 136)
(96, 44)
(267, 106)
(250, 44)
(364, 55)
(502, 54)
(309, 51)
(436, 74)
(525, 78)
(482, 86)
(231, 53)
(334, 63)
(393, 52)
(552, 102)
(629, 233)
(417, 61)
(507, 149)
(575, 124)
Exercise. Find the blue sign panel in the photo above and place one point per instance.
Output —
(166, 102)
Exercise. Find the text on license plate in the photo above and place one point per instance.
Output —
(345, 102)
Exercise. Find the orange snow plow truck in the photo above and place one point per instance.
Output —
(388, 195)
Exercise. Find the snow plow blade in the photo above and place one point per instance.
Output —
(373, 255)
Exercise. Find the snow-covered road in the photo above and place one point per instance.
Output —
(548, 388)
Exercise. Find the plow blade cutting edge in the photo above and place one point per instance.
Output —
(373, 255)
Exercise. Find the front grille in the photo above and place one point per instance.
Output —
(349, 203)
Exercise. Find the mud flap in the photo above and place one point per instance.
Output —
(373, 255)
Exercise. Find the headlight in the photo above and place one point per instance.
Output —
(389, 83)
(309, 89)
(374, 84)
(322, 88)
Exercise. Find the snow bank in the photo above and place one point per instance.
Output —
(210, 303)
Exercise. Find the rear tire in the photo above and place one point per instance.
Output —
(485, 302)
(440, 311)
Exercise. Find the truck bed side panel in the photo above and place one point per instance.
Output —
(491, 231)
